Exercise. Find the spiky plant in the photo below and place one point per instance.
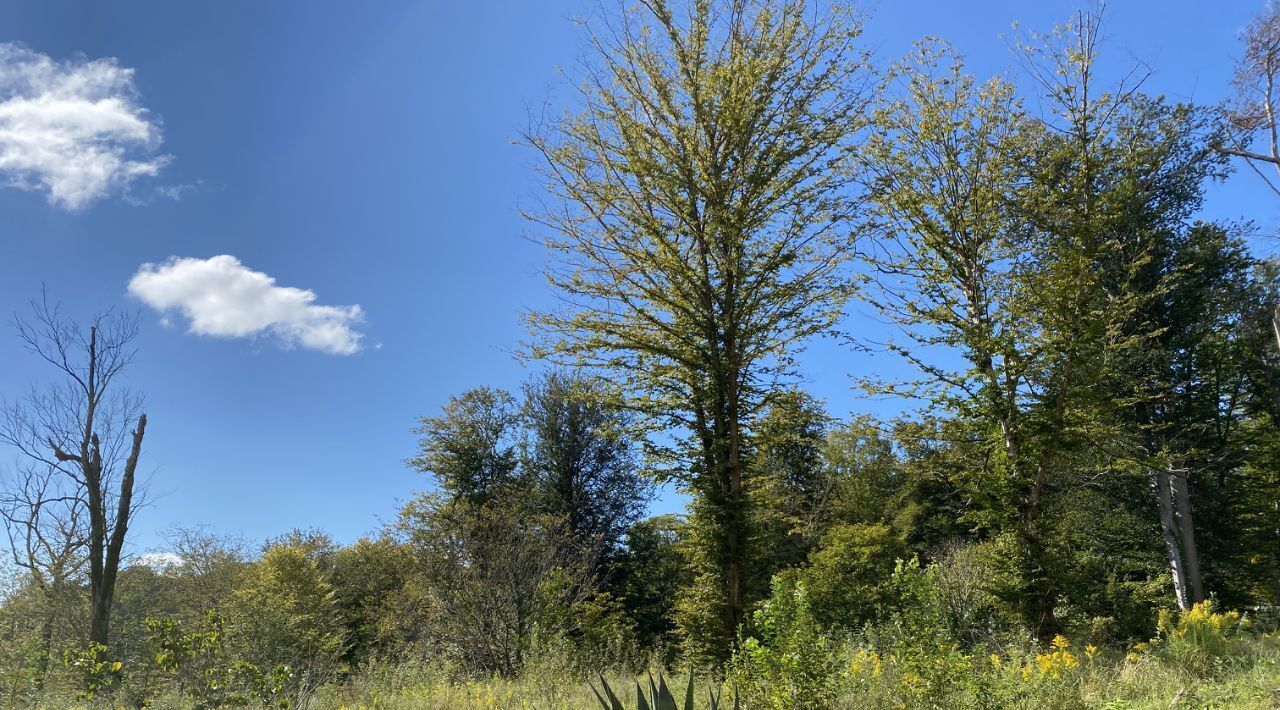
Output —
(660, 696)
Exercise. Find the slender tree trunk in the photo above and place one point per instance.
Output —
(1039, 595)
(1187, 533)
(737, 498)
(1164, 499)
(1275, 323)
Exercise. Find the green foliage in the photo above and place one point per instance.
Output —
(95, 671)
(791, 663)
(647, 577)
(790, 488)
(369, 575)
(285, 614)
(580, 459)
(471, 448)
(864, 470)
(847, 580)
(196, 660)
(1200, 639)
(486, 578)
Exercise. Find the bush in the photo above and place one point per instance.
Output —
(792, 664)
(197, 663)
(1198, 640)
(847, 578)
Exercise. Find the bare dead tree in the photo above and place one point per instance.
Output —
(1253, 111)
(87, 434)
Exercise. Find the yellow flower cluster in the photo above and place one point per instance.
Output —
(1139, 650)
(1198, 621)
(866, 662)
(1058, 660)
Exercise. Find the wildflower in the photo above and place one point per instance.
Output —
(865, 660)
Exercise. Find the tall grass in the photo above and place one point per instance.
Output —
(1248, 679)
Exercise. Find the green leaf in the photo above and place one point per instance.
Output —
(663, 699)
(615, 703)
(599, 698)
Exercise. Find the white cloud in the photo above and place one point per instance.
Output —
(222, 297)
(159, 561)
(72, 129)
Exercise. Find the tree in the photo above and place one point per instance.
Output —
(472, 447)
(1254, 107)
(211, 566)
(285, 613)
(648, 578)
(848, 574)
(485, 577)
(47, 539)
(580, 459)
(791, 490)
(564, 446)
(698, 224)
(80, 428)
(951, 270)
(864, 473)
(534, 498)
(368, 575)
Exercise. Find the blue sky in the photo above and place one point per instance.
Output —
(363, 152)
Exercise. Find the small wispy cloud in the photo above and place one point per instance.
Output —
(221, 297)
(72, 129)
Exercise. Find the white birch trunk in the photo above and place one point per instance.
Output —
(1164, 498)
(1187, 532)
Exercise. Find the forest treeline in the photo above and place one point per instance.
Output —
(1087, 467)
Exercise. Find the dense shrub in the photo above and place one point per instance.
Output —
(792, 663)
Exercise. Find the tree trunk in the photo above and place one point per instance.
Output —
(1164, 499)
(737, 498)
(1186, 531)
(106, 563)
(1275, 323)
(1039, 595)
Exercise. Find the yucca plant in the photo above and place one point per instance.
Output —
(660, 696)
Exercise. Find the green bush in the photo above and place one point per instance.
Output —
(847, 578)
(197, 663)
(1199, 640)
(792, 663)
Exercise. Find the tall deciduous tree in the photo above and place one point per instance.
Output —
(697, 222)
(951, 269)
(472, 447)
(80, 427)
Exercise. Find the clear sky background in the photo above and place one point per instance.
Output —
(363, 151)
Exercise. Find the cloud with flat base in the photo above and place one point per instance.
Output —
(223, 298)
